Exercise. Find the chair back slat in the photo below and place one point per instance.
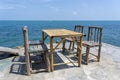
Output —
(98, 35)
(79, 28)
(95, 34)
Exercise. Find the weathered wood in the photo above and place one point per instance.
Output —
(87, 54)
(81, 39)
(94, 40)
(51, 54)
(26, 45)
(59, 44)
(35, 42)
(32, 47)
(40, 48)
(62, 33)
(80, 52)
(10, 50)
(100, 42)
(47, 62)
(77, 28)
(44, 37)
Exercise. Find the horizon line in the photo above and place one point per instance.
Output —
(58, 20)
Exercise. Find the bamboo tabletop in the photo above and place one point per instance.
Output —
(60, 32)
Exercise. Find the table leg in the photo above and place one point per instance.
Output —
(80, 52)
(51, 54)
(63, 48)
(42, 37)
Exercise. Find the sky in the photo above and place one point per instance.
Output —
(59, 9)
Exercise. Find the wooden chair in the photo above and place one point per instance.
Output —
(94, 39)
(32, 47)
(77, 28)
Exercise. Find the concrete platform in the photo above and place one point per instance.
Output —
(107, 69)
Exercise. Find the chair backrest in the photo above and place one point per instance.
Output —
(95, 34)
(79, 28)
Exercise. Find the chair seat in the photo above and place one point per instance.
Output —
(90, 43)
(35, 42)
(38, 48)
(70, 39)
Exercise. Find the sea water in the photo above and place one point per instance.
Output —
(11, 34)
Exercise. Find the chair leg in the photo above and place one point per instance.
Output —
(87, 54)
(48, 63)
(42, 56)
(63, 47)
(46, 59)
(99, 51)
(70, 46)
(30, 62)
(73, 46)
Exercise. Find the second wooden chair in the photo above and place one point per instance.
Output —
(94, 39)
(77, 28)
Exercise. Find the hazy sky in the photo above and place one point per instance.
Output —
(59, 9)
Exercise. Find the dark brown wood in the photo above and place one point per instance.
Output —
(94, 40)
(79, 28)
(43, 37)
(63, 46)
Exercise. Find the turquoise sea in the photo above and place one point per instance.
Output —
(11, 31)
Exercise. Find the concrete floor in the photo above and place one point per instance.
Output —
(107, 69)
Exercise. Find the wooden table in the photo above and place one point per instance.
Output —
(62, 33)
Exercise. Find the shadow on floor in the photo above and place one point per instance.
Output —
(19, 66)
